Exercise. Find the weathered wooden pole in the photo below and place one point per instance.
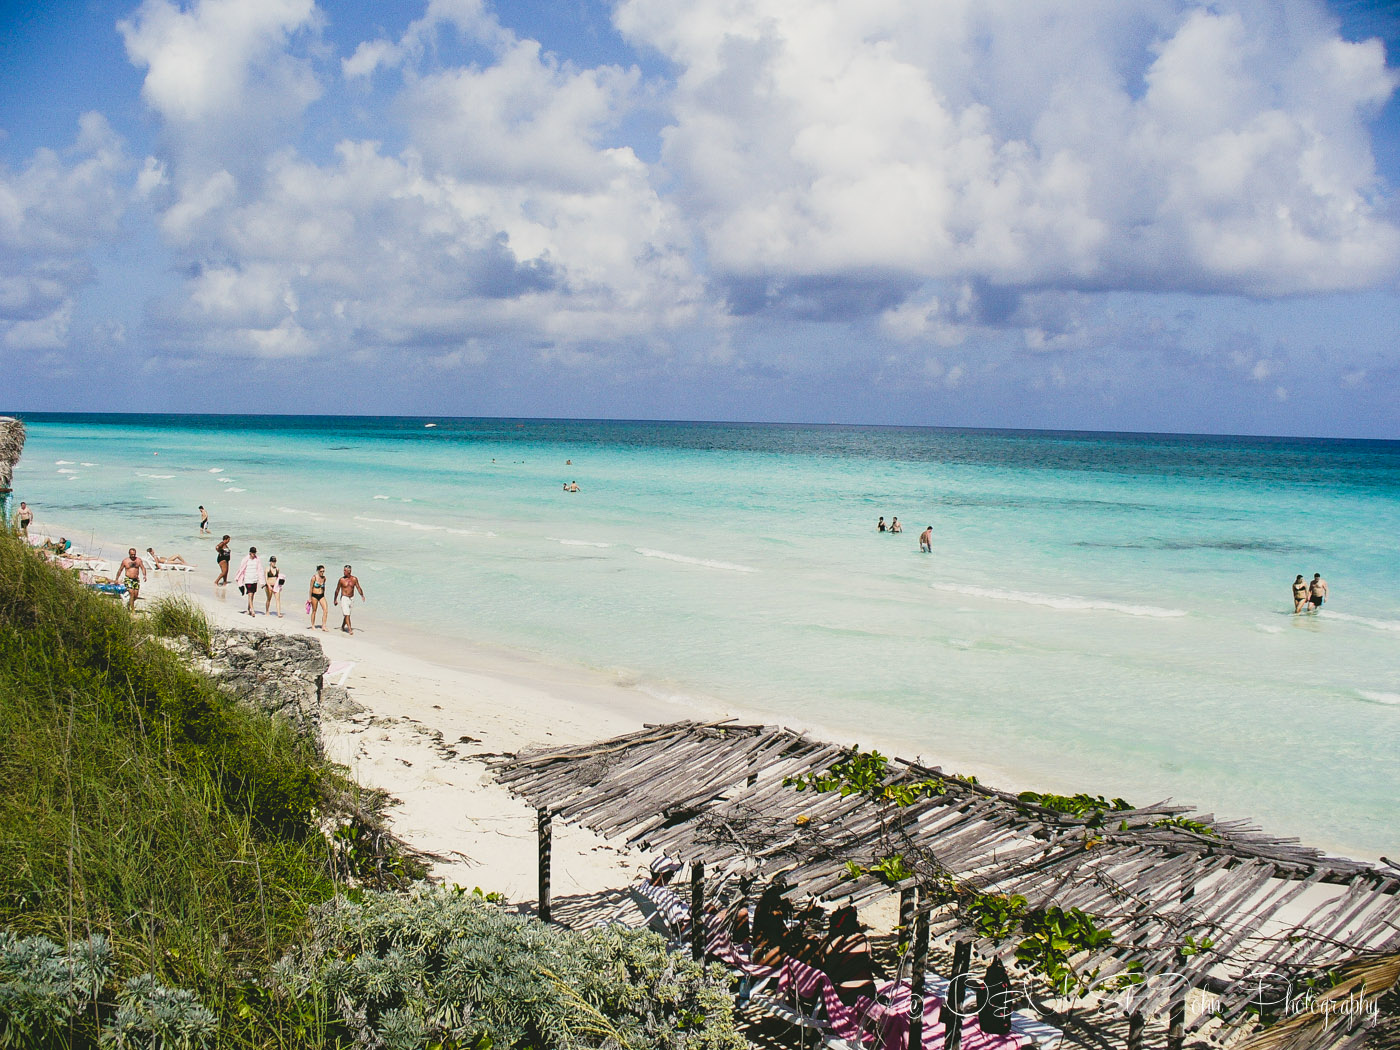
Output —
(957, 986)
(906, 915)
(1176, 1019)
(543, 822)
(918, 979)
(1137, 1026)
(697, 910)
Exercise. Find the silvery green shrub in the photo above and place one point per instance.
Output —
(50, 994)
(150, 1015)
(447, 967)
(43, 987)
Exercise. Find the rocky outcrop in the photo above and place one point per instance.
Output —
(278, 673)
(11, 444)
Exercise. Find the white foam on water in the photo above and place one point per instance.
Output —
(89, 464)
(162, 477)
(293, 510)
(65, 470)
(1067, 602)
(579, 543)
(231, 489)
(1365, 621)
(63, 462)
(216, 470)
(227, 481)
(1375, 696)
(381, 497)
(684, 559)
(418, 526)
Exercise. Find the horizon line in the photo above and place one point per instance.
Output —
(708, 422)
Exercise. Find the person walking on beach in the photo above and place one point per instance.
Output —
(203, 522)
(249, 576)
(345, 589)
(130, 575)
(25, 517)
(317, 598)
(926, 542)
(1300, 594)
(222, 552)
(1317, 591)
(275, 579)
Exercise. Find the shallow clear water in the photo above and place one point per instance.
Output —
(1106, 613)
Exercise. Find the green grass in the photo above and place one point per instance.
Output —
(139, 801)
(177, 616)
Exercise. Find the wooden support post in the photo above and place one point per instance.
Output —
(697, 910)
(906, 915)
(543, 822)
(1137, 1025)
(957, 988)
(919, 976)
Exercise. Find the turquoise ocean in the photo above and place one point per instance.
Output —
(1101, 612)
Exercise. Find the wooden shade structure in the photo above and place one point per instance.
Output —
(1272, 909)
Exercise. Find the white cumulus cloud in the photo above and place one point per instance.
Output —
(1096, 145)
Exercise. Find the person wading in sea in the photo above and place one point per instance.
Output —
(1300, 594)
(1317, 591)
(926, 542)
(345, 589)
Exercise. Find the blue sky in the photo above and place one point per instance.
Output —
(1081, 214)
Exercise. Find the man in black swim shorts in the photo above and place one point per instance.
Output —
(1317, 591)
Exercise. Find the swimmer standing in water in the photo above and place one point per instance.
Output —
(1300, 594)
(926, 541)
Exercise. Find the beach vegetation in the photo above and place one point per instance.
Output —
(447, 968)
(178, 616)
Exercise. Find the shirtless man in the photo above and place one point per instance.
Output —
(25, 517)
(225, 556)
(203, 522)
(926, 541)
(1317, 591)
(895, 526)
(345, 589)
(130, 575)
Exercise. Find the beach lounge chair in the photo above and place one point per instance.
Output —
(1025, 1030)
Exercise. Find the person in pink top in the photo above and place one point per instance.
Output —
(249, 576)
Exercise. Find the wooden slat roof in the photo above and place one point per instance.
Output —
(684, 790)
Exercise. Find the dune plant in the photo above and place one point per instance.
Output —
(178, 616)
(443, 967)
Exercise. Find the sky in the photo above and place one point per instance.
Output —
(1150, 215)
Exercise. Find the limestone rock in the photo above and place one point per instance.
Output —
(278, 673)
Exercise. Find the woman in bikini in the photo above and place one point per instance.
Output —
(221, 551)
(318, 598)
(273, 587)
(1300, 594)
